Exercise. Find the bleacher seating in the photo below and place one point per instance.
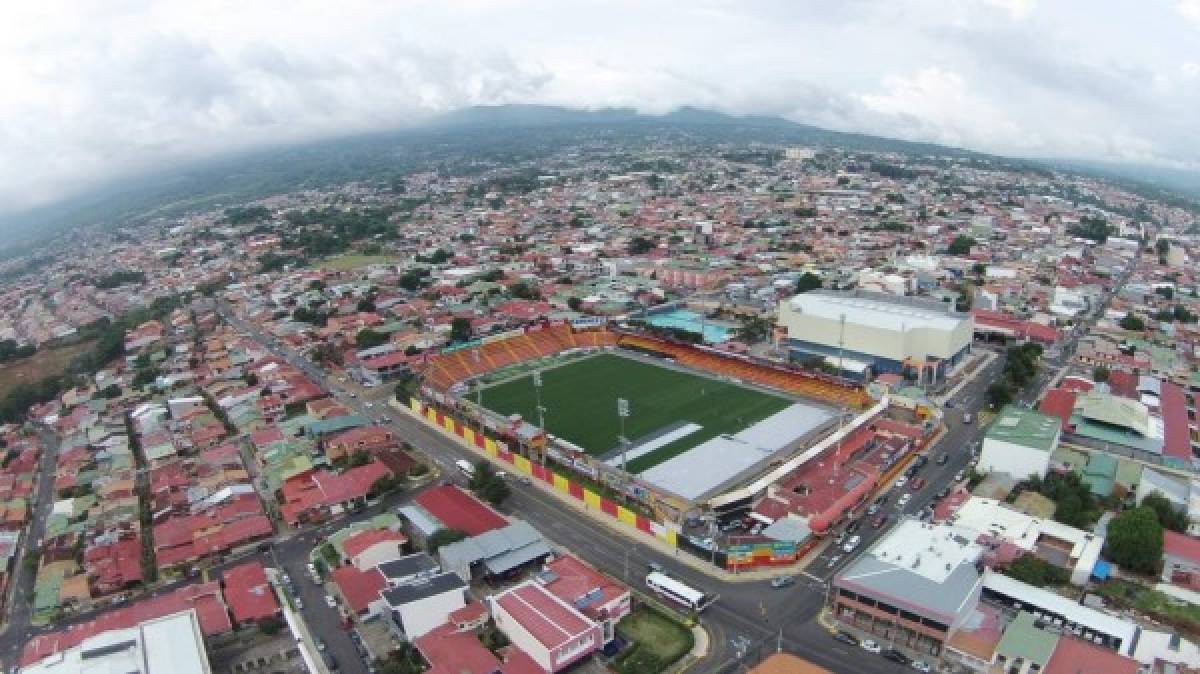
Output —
(800, 383)
(445, 370)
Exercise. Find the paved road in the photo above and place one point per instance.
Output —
(20, 601)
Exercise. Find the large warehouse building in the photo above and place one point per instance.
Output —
(879, 334)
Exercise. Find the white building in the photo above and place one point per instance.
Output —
(171, 644)
(1019, 442)
(545, 627)
(889, 334)
(419, 606)
(1063, 546)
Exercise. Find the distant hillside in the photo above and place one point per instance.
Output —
(459, 135)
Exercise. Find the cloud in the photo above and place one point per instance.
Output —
(95, 89)
(1190, 9)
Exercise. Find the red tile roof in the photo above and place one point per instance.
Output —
(452, 652)
(1181, 545)
(1072, 656)
(576, 579)
(249, 595)
(552, 623)
(456, 509)
(356, 544)
(359, 588)
(1059, 403)
(1177, 441)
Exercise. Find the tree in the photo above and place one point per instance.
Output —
(326, 353)
(1135, 540)
(460, 329)
(366, 305)
(808, 281)
(1100, 373)
(442, 537)
(755, 329)
(1132, 321)
(999, 395)
(1168, 515)
(574, 303)
(251, 379)
(270, 626)
(961, 245)
(369, 339)
(1029, 569)
(489, 486)
(640, 245)
(111, 391)
(524, 290)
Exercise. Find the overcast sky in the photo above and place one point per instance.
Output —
(93, 90)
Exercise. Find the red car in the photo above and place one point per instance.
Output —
(917, 483)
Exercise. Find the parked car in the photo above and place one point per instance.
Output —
(841, 538)
(853, 526)
(942, 459)
(896, 656)
(870, 646)
(922, 459)
(330, 601)
(299, 603)
(904, 499)
(879, 521)
(958, 477)
(918, 483)
(851, 544)
(833, 561)
(846, 638)
(901, 481)
(783, 581)
(943, 493)
(921, 666)
(655, 567)
(320, 645)
(874, 508)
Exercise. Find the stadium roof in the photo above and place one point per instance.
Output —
(895, 315)
(1024, 427)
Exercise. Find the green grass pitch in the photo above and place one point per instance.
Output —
(580, 399)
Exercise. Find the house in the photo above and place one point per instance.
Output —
(359, 590)
(248, 593)
(409, 568)
(368, 439)
(312, 495)
(422, 604)
(549, 630)
(450, 650)
(372, 547)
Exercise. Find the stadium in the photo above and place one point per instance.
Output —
(704, 428)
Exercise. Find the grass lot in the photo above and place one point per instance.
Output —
(347, 262)
(44, 363)
(580, 399)
(1155, 604)
(655, 641)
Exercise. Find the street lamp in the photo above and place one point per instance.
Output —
(622, 414)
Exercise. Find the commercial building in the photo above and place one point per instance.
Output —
(172, 644)
(592, 593)
(549, 630)
(866, 334)
(495, 553)
(1019, 442)
(914, 586)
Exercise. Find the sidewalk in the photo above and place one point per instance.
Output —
(967, 377)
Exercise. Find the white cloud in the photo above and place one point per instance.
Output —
(1190, 9)
(101, 88)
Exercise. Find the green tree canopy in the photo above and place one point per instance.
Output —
(1168, 515)
(442, 537)
(1135, 540)
(369, 339)
(460, 329)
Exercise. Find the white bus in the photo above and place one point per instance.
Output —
(669, 588)
(466, 467)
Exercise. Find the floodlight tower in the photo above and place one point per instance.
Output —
(622, 414)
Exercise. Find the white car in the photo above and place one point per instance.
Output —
(901, 481)
(921, 666)
(903, 500)
(368, 405)
(329, 599)
(851, 544)
(870, 646)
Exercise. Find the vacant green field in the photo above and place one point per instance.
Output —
(580, 400)
(656, 641)
(348, 262)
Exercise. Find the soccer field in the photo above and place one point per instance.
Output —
(580, 401)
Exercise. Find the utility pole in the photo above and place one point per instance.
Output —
(622, 414)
